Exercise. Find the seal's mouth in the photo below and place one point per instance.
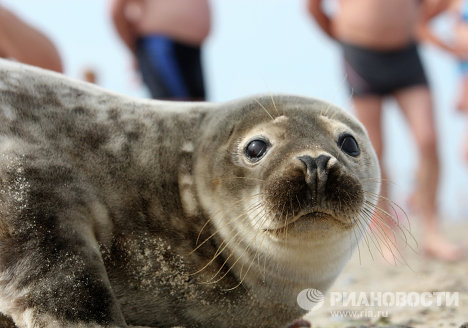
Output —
(313, 216)
(309, 219)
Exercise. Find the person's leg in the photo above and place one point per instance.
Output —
(416, 104)
(465, 143)
(369, 111)
(462, 104)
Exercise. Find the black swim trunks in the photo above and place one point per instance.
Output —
(170, 69)
(375, 72)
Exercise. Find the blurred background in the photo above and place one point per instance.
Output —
(266, 46)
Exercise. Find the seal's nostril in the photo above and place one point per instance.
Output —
(309, 162)
(322, 161)
(314, 163)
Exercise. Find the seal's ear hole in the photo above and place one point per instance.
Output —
(349, 145)
(256, 149)
(231, 132)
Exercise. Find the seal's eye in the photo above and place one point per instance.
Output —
(256, 149)
(349, 145)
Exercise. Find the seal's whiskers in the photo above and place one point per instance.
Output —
(357, 240)
(384, 216)
(243, 216)
(376, 241)
(211, 219)
(362, 229)
(381, 234)
(379, 237)
(252, 261)
(392, 205)
(258, 102)
(258, 220)
(274, 105)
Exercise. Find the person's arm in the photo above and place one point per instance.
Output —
(122, 25)
(316, 11)
(26, 44)
(429, 10)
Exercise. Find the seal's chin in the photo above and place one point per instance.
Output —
(316, 220)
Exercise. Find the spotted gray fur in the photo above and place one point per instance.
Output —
(104, 198)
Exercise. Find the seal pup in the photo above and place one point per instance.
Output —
(117, 211)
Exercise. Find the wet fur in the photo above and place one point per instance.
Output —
(103, 200)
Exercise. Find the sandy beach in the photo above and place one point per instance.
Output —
(420, 275)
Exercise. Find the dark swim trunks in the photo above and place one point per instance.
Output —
(375, 72)
(170, 69)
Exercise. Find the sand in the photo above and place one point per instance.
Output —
(419, 275)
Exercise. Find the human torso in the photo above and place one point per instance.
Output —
(378, 24)
(186, 21)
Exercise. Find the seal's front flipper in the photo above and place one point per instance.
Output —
(6, 322)
(66, 286)
(63, 287)
(51, 270)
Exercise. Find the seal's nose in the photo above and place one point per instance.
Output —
(315, 163)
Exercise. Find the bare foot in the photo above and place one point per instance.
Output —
(392, 255)
(465, 148)
(386, 237)
(412, 203)
(391, 251)
(437, 247)
(462, 105)
(465, 153)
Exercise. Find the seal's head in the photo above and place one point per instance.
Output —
(290, 184)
